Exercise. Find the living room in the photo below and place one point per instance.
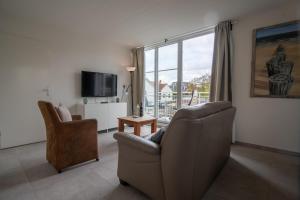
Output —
(164, 61)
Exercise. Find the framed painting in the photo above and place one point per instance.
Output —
(276, 61)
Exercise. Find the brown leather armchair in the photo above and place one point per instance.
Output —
(68, 143)
(194, 148)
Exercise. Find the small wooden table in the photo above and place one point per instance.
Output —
(137, 123)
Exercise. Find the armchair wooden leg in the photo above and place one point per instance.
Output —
(97, 159)
(123, 182)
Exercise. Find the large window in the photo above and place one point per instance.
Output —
(177, 75)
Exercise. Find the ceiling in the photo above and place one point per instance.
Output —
(130, 22)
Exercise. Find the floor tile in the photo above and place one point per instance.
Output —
(248, 174)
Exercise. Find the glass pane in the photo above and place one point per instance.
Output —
(167, 79)
(167, 94)
(149, 60)
(149, 94)
(167, 57)
(196, 69)
(149, 82)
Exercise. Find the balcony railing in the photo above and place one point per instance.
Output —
(167, 103)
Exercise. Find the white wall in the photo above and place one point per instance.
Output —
(34, 57)
(263, 121)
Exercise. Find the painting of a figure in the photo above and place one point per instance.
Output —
(276, 61)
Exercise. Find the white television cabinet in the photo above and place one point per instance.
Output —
(106, 114)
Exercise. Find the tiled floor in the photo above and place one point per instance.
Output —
(249, 174)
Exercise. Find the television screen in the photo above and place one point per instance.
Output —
(94, 84)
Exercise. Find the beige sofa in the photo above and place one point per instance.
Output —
(193, 150)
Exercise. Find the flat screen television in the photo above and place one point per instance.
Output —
(95, 84)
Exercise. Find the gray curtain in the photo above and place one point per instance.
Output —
(220, 89)
(138, 77)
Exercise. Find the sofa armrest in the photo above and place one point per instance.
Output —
(137, 142)
(76, 117)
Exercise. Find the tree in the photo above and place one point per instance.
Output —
(202, 83)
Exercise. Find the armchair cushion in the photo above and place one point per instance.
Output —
(64, 113)
(156, 137)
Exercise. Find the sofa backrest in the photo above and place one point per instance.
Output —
(194, 148)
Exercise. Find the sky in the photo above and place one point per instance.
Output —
(196, 59)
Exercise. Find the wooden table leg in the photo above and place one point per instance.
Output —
(137, 129)
(121, 126)
(153, 126)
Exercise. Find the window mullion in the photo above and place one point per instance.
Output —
(179, 74)
(156, 82)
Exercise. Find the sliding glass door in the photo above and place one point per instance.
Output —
(177, 75)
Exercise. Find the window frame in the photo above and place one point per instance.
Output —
(179, 40)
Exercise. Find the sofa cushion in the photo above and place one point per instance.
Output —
(64, 113)
(156, 137)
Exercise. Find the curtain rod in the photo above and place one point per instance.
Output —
(207, 28)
